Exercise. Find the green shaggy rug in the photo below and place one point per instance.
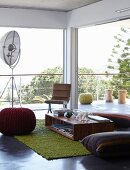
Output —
(51, 145)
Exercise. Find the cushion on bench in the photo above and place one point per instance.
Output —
(120, 120)
(108, 144)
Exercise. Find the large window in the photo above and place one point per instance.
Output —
(41, 53)
(40, 49)
(103, 49)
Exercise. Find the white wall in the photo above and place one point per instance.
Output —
(98, 13)
(32, 18)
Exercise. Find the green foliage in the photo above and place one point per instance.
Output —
(85, 81)
(88, 83)
(41, 85)
(120, 62)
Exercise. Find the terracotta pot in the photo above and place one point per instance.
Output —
(122, 96)
(108, 96)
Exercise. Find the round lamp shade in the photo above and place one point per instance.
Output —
(10, 48)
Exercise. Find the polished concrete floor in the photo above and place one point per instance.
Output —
(16, 156)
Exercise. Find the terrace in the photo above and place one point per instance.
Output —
(25, 95)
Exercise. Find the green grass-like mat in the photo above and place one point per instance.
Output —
(51, 145)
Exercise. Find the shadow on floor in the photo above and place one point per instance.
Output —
(92, 162)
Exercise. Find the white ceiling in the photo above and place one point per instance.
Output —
(55, 5)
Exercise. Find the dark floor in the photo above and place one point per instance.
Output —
(16, 156)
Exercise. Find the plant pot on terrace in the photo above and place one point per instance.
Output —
(122, 96)
(109, 95)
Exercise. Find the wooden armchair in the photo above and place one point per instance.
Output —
(61, 93)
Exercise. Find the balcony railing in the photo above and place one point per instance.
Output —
(33, 89)
(27, 89)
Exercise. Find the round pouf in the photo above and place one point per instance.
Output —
(85, 98)
(17, 121)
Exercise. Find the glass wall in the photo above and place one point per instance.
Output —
(104, 58)
(42, 48)
(40, 65)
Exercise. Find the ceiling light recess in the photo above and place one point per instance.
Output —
(123, 10)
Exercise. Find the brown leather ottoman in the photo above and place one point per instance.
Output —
(108, 144)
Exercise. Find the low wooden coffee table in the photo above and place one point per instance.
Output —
(74, 129)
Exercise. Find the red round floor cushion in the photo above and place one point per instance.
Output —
(17, 121)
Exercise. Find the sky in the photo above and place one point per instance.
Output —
(39, 50)
(96, 43)
(42, 48)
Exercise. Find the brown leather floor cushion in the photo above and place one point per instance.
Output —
(108, 144)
